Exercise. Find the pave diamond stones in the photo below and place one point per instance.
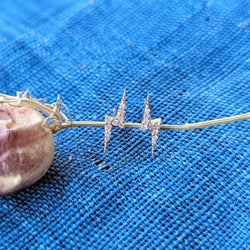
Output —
(156, 124)
(117, 121)
(108, 119)
(145, 124)
(148, 124)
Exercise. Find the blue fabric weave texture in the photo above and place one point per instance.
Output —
(193, 57)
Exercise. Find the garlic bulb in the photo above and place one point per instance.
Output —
(26, 147)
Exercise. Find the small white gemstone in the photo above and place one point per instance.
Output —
(108, 127)
(120, 118)
(114, 122)
(157, 126)
(144, 127)
(107, 134)
(120, 113)
(154, 139)
(121, 125)
(108, 119)
(147, 111)
(122, 106)
(154, 131)
(146, 121)
(147, 116)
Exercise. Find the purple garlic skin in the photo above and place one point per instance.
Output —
(26, 149)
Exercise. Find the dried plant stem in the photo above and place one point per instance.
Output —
(163, 126)
(61, 121)
(53, 111)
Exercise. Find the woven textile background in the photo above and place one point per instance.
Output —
(193, 57)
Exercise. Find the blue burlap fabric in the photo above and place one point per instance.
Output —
(193, 57)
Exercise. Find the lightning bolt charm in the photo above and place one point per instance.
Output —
(117, 121)
(148, 124)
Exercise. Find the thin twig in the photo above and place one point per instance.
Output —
(163, 126)
(61, 121)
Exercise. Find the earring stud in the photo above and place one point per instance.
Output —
(117, 121)
(148, 124)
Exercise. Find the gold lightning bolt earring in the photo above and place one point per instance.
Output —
(117, 121)
(148, 124)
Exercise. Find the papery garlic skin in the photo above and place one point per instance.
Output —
(26, 149)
